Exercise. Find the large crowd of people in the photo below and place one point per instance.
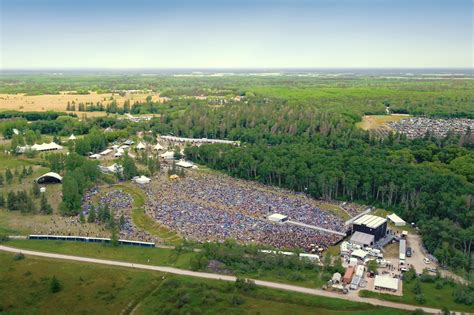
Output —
(418, 127)
(206, 207)
(120, 204)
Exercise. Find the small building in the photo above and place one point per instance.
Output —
(348, 275)
(278, 218)
(385, 283)
(362, 239)
(50, 177)
(396, 220)
(72, 137)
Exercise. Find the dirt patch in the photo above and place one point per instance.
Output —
(378, 122)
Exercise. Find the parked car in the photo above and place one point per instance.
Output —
(409, 252)
(426, 261)
(433, 270)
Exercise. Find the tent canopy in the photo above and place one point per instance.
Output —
(50, 177)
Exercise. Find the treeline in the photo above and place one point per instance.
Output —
(33, 116)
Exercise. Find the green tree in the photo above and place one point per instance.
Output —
(8, 176)
(129, 168)
(91, 218)
(54, 285)
(45, 208)
(71, 202)
(36, 190)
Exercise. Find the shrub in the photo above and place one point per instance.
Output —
(19, 256)
(236, 300)
(420, 299)
(55, 285)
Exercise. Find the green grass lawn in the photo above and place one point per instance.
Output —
(436, 298)
(143, 221)
(157, 256)
(86, 289)
(151, 256)
(96, 289)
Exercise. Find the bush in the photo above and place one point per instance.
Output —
(236, 300)
(420, 299)
(296, 276)
(19, 256)
(245, 284)
(4, 238)
(54, 285)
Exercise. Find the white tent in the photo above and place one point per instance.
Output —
(184, 164)
(385, 283)
(168, 155)
(396, 220)
(72, 137)
(51, 177)
(359, 253)
(141, 146)
(276, 217)
(114, 168)
(95, 156)
(105, 152)
(46, 147)
(158, 147)
(141, 180)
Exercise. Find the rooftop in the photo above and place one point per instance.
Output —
(371, 221)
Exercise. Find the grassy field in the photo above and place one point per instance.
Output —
(151, 256)
(95, 289)
(58, 102)
(374, 122)
(159, 256)
(436, 298)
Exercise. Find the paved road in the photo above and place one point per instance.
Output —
(214, 276)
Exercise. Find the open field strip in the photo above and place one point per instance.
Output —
(213, 276)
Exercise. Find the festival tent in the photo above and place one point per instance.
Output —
(141, 146)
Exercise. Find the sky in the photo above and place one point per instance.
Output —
(55, 34)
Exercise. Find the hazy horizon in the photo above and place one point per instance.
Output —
(236, 34)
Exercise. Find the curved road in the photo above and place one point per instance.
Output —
(273, 285)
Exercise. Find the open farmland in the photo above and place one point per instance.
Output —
(58, 102)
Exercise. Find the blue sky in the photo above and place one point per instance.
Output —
(235, 34)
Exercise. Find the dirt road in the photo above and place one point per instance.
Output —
(214, 276)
